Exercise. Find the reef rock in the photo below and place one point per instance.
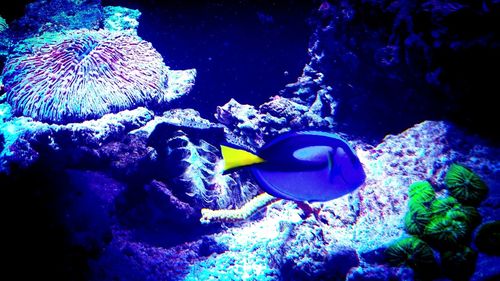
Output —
(57, 15)
(426, 60)
(362, 223)
(122, 19)
(306, 103)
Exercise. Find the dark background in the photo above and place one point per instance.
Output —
(247, 50)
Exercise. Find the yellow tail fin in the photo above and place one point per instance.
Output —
(235, 158)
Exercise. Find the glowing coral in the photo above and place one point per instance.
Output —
(83, 74)
(446, 232)
(416, 220)
(448, 207)
(421, 191)
(421, 194)
(465, 185)
(443, 205)
(411, 252)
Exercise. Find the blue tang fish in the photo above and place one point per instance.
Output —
(302, 166)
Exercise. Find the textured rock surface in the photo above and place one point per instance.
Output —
(57, 15)
(74, 143)
(21, 134)
(486, 268)
(288, 242)
(253, 126)
(118, 18)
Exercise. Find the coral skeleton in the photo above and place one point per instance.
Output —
(250, 208)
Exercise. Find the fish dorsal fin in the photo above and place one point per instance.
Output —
(237, 157)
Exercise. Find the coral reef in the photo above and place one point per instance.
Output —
(24, 139)
(288, 240)
(83, 74)
(120, 197)
(350, 220)
(398, 62)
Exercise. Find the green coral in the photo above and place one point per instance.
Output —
(416, 219)
(449, 207)
(447, 231)
(443, 205)
(421, 191)
(446, 223)
(411, 252)
(487, 239)
(414, 206)
(470, 216)
(465, 185)
(421, 194)
(459, 264)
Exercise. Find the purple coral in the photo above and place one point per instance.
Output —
(83, 74)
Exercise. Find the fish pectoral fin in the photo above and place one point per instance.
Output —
(238, 157)
(334, 168)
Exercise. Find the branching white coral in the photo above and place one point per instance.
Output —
(250, 208)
